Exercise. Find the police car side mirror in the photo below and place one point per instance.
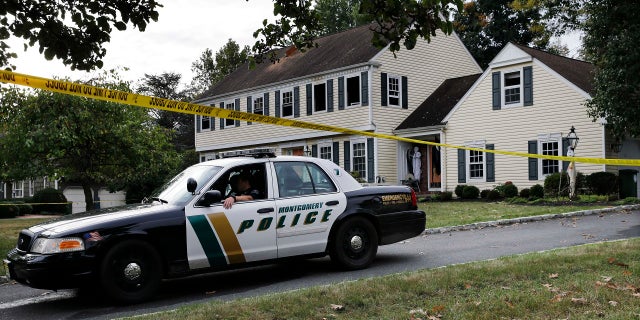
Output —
(210, 197)
(192, 184)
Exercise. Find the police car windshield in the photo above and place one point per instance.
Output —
(175, 191)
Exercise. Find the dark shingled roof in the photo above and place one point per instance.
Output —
(347, 48)
(577, 72)
(433, 110)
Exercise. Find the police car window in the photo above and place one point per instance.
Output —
(175, 190)
(302, 178)
(255, 173)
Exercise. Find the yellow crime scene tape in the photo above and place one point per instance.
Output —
(116, 96)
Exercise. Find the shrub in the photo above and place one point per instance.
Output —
(49, 200)
(23, 208)
(8, 210)
(484, 193)
(557, 184)
(510, 190)
(537, 191)
(443, 196)
(494, 195)
(458, 190)
(470, 192)
(602, 183)
(525, 193)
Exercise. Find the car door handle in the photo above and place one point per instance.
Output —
(332, 203)
(265, 210)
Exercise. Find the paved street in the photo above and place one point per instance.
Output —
(429, 251)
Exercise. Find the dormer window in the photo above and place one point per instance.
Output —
(512, 88)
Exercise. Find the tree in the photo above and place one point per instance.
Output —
(610, 42)
(486, 26)
(209, 70)
(396, 22)
(338, 15)
(72, 31)
(89, 142)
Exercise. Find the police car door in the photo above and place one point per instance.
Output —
(217, 237)
(307, 204)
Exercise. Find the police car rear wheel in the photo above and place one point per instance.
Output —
(131, 271)
(355, 244)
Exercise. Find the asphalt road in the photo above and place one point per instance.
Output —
(429, 251)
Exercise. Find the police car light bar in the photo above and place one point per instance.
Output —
(256, 153)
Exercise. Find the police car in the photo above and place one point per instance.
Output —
(304, 207)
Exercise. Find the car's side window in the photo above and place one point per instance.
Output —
(255, 173)
(302, 178)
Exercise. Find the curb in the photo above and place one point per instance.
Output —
(504, 222)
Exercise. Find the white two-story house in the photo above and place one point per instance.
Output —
(344, 82)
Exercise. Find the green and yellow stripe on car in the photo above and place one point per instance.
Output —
(217, 238)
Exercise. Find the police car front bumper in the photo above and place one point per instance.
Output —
(52, 271)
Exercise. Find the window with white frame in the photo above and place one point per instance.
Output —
(512, 91)
(476, 162)
(229, 122)
(287, 104)
(18, 189)
(353, 91)
(549, 145)
(326, 151)
(205, 123)
(393, 85)
(31, 188)
(320, 97)
(258, 105)
(359, 158)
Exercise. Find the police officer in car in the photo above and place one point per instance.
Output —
(241, 190)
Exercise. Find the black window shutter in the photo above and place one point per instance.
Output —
(405, 93)
(495, 87)
(341, 93)
(249, 107)
(198, 124)
(528, 85)
(462, 166)
(330, 95)
(212, 120)
(347, 156)
(491, 164)
(336, 152)
(533, 162)
(314, 150)
(266, 104)
(309, 100)
(383, 89)
(565, 146)
(222, 119)
(277, 106)
(364, 88)
(296, 102)
(237, 107)
(370, 160)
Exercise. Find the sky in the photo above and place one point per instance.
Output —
(185, 29)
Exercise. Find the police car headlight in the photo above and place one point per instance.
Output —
(57, 245)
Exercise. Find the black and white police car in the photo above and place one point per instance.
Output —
(308, 208)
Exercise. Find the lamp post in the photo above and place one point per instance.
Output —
(572, 138)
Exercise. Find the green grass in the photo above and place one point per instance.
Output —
(453, 213)
(598, 281)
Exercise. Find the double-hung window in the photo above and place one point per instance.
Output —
(393, 90)
(18, 189)
(320, 97)
(359, 157)
(326, 151)
(258, 105)
(476, 162)
(512, 88)
(229, 122)
(205, 123)
(353, 91)
(287, 104)
(549, 145)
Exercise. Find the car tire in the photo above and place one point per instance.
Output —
(355, 244)
(131, 271)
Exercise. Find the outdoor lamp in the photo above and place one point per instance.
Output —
(572, 137)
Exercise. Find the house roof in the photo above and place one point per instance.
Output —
(343, 49)
(435, 108)
(578, 72)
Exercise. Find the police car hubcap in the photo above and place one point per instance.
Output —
(356, 242)
(132, 271)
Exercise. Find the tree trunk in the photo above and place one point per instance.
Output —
(88, 196)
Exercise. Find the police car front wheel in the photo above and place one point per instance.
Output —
(355, 244)
(131, 271)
